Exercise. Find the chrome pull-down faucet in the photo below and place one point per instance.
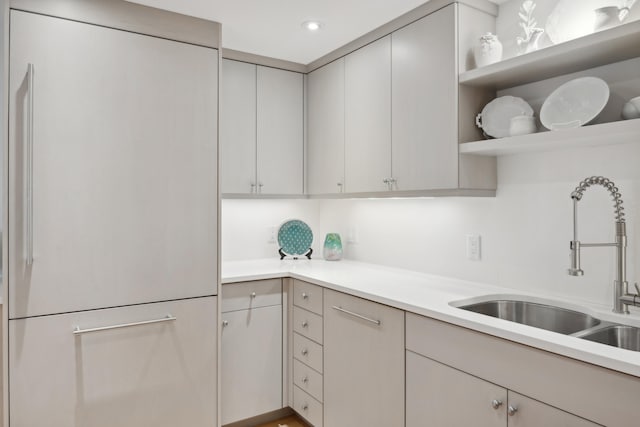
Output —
(621, 298)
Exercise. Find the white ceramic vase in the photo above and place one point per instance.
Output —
(488, 50)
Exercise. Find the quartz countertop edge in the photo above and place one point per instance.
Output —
(431, 296)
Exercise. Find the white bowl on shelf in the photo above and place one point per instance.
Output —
(575, 103)
(631, 109)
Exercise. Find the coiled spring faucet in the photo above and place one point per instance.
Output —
(622, 298)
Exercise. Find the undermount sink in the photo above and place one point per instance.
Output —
(538, 315)
(620, 336)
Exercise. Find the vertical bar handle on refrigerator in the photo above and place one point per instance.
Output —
(30, 126)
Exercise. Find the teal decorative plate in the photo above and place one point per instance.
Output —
(295, 237)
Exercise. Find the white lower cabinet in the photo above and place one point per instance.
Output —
(438, 395)
(526, 412)
(364, 365)
(475, 386)
(120, 370)
(251, 354)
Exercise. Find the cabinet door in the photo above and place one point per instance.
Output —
(363, 363)
(280, 131)
(438, 395)
(124, 167)
(424, 102)
(326, 129)
(368, 117)
(237, 127)
(150, 375)
(532, 413)
(251, 355)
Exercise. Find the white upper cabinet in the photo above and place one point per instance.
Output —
(368, 118)
(424, 104)
(280, 132)
(395, 107)
(123, 183)
(261, 130)
(325, 155)
(238, 127)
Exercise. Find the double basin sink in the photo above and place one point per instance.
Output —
(560, 320)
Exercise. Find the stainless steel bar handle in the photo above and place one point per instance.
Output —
(30, 126)
(359, 316)
(78, 331)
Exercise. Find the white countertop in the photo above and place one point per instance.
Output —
(431, 296)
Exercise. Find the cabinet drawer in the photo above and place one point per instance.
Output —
(241, 296)
(307, 406)
(307, 379)
(150, 375)
(307, 352)
(308, 324)
(307, 296)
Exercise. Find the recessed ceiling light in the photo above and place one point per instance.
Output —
(311, 25)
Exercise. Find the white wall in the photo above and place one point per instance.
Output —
(246, 224)
(525, 230)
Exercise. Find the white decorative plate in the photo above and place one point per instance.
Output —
(575, 103)
(495, 118)
(295, 237)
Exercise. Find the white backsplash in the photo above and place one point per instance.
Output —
(525, 230)
(246, 223)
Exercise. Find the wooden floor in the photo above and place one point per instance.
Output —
(291, 421)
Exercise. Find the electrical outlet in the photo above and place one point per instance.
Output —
(271, 234)
(473, 247)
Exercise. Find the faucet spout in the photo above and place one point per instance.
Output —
(609, 186)
(621, 297)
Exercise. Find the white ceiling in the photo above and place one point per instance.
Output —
(273, 27)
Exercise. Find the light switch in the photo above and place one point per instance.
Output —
(473, 247)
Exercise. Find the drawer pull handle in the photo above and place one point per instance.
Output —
(359, 316)
(305, 324)
(225, 323)
(253, 294)
(512, 410)
(78, 331)
(305, 407)
(495, 404)
(305, 380)
(305, 296)
(304, 352)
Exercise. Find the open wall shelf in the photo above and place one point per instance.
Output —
(621, 132)
(604, 47)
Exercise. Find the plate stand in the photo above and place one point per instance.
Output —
(283, 255)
